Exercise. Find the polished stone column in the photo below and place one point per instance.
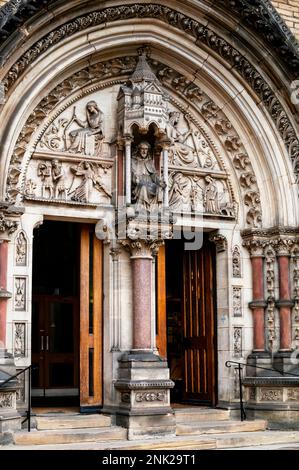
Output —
(165, 176)
(128, 142)
(4, 295)
(284, 304)
(258, 303)
(142, 290)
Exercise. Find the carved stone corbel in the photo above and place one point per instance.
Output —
(219, 240)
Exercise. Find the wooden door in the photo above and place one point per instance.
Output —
(55, 345)
(90, 320)
(199, 326)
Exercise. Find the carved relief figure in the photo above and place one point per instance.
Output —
(90, 179)
(179, 148)
(147, 185)
(211, 201)
(84, 139)
(45, 173)
(21, 250)
(58, 178)
(179, 194)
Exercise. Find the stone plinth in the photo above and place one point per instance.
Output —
(144, 393)
(10, 420)
(275, 399)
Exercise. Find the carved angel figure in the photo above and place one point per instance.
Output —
(83, 140)
(90, 179)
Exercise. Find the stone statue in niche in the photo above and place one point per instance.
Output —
(90, 179)
(147, 186)
(87, 138)
(211, 201)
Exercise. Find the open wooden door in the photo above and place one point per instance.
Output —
(199, 326)
(91, 328)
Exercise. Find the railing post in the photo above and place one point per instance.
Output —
(29, 400)
(242, 411)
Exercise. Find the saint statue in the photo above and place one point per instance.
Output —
(83, 140)
(179, 148)
(147, 186)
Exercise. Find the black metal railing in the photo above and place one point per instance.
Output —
(13, 377)
(239, 366)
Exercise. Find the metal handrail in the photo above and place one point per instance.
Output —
(28, 412)
(239, 366)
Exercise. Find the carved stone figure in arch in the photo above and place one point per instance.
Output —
(179, 148)
(83, 140)
(211, 201)
(58, 177)
(90, 179)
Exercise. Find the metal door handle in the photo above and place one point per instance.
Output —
(47, 343)
(41, 343)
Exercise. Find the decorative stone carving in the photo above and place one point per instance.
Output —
(270, 288)
(20, 395)
(237, 342)
(21, 249)
(90, 179)
(19, 339)
(219, 240)
(30, 188)
(293, 394)
(146, 184)
(20, 294)
(271, 395)
(57, 181)
(150, 396)
(202, 34)
(236, 262)
(7, 225)
(237, 302)
(126, 397)
(7, 400)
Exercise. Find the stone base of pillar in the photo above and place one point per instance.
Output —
(284, 362)
(10, 420)
(259, 359)
(275, 399)
(144, 396)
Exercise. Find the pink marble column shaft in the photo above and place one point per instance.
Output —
(142, 272)
(258, 296)
(284, 304)
(3, 286)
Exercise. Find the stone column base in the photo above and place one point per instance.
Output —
(144, 396)
(275, 399)
(10, 419)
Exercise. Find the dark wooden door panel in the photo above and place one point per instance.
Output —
(198, 325)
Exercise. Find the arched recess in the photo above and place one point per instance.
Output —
(253, 126)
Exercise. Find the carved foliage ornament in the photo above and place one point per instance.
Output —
(170, 79)
(203, 35)
(7, 225)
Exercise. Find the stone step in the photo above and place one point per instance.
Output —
(187, 415)
(216, 427)
(215, 441)
(66, 436)
(71, 421)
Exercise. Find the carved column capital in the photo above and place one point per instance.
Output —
(219, 240)
(283, 246)
(7, 225)
(255, 247)
(142, 248)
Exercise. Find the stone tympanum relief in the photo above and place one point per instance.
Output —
(72, 162)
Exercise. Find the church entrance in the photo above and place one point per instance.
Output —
(66, 315)
(188, 310)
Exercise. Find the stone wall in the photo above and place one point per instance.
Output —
(289, 10)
